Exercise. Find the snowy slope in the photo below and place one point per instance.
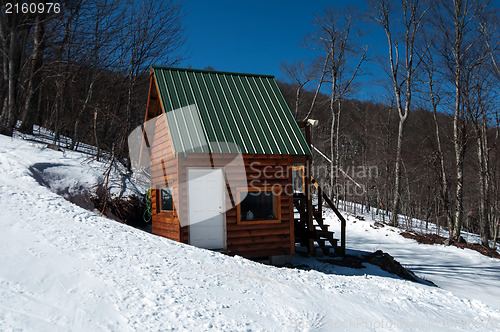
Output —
(65, 268)
(464, 272)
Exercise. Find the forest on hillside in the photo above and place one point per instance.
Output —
(427, 149)
(82, 68)
(430, 149)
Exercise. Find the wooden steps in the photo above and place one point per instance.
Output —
(310, 228)
(320, 234)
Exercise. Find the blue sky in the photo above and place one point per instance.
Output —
(255, 36)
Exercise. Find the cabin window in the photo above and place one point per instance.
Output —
(261, 205)
(166, 200)
(298, 178)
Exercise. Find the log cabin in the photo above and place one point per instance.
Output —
(222, 146)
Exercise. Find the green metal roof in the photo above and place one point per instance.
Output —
(210, 112)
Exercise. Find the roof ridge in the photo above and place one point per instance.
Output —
(210, 71)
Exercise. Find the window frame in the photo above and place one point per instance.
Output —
(295, 170)
(159, 200)
(276, 194)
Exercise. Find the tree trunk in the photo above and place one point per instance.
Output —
(496, 228)
(333, 187)
(483, 159)
(337, 146)
(444, 192)
(459, 170)
(12, 78)
(396, 201)
(333, 180)
(318, 88)
(458, 128)
(5, 71)
(297, 98)
(17, 40)
(124, 142)
(75, 139)
(29, 112)
(95, 136)
(483, 219)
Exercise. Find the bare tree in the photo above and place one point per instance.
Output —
(434, 96)
(481, 100)
(489, 26)
(35, 63)
(457, 23)
(153, 32)
(67, 43)
(300, 75)
(101, 22)
(321, 80)
(14, 31)
(402, 71)
(336, 37)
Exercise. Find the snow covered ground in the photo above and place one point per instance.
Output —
(464, 272)
(65, 268)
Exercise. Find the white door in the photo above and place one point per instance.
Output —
(206, 208)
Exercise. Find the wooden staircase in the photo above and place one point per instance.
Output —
(309, 227)
(312, 214)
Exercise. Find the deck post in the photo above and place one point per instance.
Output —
(342, 236)
(320, 200)
(308, 194)
(309, 210)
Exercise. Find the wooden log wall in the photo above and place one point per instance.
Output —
(164, 168)
(249, 240)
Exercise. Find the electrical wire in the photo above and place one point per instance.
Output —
(149, 211)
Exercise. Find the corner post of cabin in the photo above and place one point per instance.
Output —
(308, 194)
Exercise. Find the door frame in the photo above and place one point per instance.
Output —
(223, 199)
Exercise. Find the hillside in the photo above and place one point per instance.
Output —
(67, 268)
(463, 272)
